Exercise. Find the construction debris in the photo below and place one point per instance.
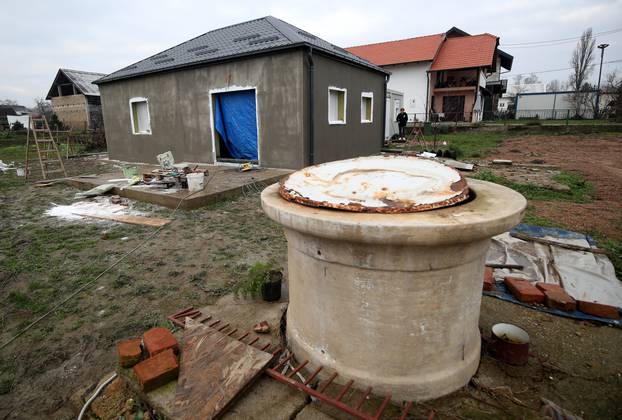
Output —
(501, 162)
(262, 327)
(215, 369)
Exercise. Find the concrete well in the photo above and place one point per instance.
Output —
(391, 301)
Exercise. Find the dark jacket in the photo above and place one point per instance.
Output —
(402, 119)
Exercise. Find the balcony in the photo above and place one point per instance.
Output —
(497, 86)
(455, 85)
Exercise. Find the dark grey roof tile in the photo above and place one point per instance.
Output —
(245, 38)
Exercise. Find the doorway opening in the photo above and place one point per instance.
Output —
(235, 126)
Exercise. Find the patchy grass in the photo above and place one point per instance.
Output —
(472, 144)
(532, 219)
(581, 190)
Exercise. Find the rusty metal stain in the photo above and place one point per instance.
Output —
(377, 184)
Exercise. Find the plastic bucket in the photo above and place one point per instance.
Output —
(195, 182)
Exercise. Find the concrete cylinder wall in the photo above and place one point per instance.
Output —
(391, 301)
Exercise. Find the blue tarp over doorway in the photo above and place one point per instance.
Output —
(235, 119)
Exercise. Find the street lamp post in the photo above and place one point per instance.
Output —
(601, 47)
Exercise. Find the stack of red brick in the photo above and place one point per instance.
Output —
(154, 357)
(552, 295)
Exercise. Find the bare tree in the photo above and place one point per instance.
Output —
(613, 96)
(44, 107)
(518, 86)
(532, 79)
(581, 63)
(554, 86)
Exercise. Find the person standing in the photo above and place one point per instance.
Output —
(402, 119)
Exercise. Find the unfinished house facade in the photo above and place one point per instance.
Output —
(261, 91)
(75, 99)
(450, 76)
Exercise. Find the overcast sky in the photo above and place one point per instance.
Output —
(39, 37)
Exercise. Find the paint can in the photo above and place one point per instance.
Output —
(510, 344)
(195, 181)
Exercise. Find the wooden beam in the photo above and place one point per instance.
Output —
(525, 237)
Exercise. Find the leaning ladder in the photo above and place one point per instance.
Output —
(49, 157)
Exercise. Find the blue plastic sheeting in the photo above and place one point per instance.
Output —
(541, 232)
(235, 119)
(503, 294)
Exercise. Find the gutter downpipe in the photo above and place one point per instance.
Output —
(384, 110)
(427, 94)
(311, 106)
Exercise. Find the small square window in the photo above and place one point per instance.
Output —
(336, 105)
(367, 107)
(139, 114)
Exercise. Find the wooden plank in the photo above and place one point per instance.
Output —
(214, 370)
(125, 218)
(525, 237)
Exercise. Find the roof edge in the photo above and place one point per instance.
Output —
(206, 63)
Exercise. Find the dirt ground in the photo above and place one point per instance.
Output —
(595, 156)
(202, 254)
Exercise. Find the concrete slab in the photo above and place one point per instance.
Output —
(222, 183)
(311, 412)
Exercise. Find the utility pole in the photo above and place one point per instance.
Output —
(601, 47)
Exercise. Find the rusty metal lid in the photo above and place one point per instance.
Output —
(377, 184)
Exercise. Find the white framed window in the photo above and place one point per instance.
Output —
(367, 107)
(337, 103)
(139, 114)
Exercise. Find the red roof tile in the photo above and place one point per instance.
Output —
(422, 48)
(466, 52)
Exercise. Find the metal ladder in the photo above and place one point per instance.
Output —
(50, 160)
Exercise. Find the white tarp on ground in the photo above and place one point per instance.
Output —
(584, 275)
(100, 207)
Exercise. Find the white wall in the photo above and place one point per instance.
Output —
(550, 105)
(411, 79)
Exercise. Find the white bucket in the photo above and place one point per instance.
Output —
(195, 182)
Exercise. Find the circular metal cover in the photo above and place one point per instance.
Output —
(377, 184)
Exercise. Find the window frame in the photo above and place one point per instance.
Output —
(345, 106)
(370, 96)
(134, 124)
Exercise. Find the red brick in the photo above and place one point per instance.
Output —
(524, 290)
(549, 286)
(556, 297)
(156, 371)
(129, 352)
(158, 339)
(489, 280)
(599, 309)
(559, 299)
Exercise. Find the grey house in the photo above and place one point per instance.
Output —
(262, 91)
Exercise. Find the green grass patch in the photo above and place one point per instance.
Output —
(531, 218)
(580, 189)
(23, 301)
(470, 144)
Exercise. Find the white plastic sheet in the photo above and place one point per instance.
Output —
(584, 275)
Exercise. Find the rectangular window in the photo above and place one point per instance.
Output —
(337, 105)
(139, 114)
(367, 107)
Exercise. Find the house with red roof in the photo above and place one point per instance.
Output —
(451, 76)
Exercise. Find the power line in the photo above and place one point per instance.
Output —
(554, 42)
(554, 70)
